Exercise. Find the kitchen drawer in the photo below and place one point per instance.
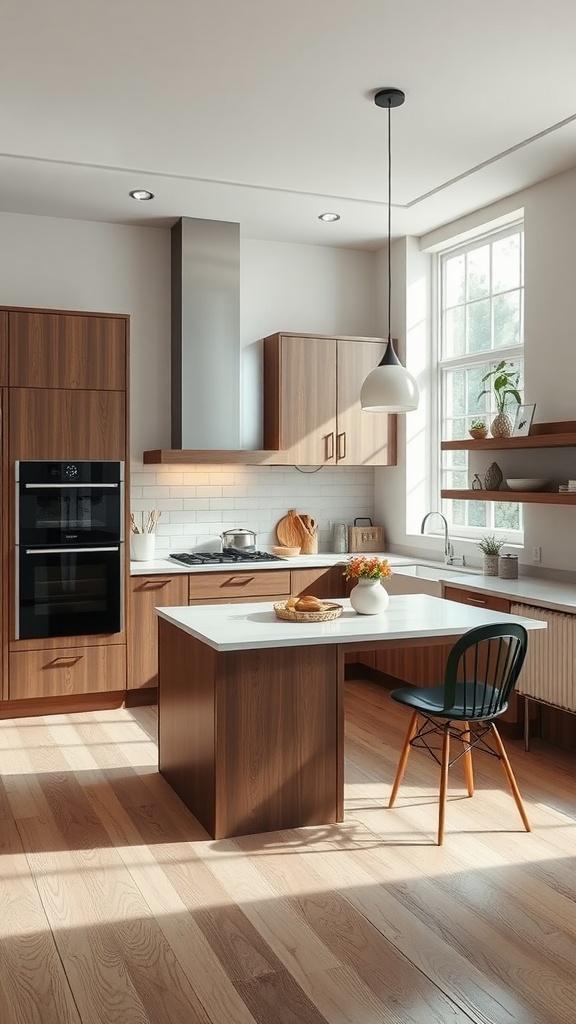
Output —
(67, 671)
(225, 586)
(496, 604)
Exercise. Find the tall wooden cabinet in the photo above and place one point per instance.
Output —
(312, 407)
(65, 397)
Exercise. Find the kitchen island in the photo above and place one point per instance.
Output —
(250, 707)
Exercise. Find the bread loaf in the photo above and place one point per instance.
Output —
(308, 603)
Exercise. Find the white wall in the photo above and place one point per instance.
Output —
(64, 264)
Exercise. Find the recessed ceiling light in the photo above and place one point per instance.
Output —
(329, 216)
(142, 194)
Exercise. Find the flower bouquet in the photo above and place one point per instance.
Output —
(363, 568)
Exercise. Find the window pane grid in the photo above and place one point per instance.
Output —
(481, 315)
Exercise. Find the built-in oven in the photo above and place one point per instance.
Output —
(69, 548)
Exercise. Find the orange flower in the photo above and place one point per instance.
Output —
(363, 568)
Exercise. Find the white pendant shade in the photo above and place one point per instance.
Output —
(389, 389)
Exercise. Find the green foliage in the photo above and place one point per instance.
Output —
(489, 545)
(478, 425)
(504, 384)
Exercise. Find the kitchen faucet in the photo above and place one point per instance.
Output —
(448, 549)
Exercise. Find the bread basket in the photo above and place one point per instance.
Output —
(330, 611)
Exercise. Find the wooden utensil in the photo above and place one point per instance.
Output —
(309, 528)
(289, 530)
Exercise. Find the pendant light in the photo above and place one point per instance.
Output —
(389, 387)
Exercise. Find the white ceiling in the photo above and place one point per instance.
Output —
(261, 112)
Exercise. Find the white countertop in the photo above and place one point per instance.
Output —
(236, 627)
(527, 589)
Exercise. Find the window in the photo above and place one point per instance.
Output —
(481, 322)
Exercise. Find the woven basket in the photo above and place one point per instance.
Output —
(330, 611)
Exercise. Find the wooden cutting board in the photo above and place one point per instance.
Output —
(296, 530)
(289, 530)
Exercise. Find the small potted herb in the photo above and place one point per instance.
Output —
(478, 429)
(490, 548)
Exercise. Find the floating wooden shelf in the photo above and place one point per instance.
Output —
(524, 497)
(542, 435)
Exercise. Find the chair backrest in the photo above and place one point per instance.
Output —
(487, 660)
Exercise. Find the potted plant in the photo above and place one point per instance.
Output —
(490, 548)
(504, 386)
(368, 597)
(478, 429)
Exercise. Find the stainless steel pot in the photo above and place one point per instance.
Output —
(238, 539)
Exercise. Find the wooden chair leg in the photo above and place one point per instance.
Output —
(468, 770)
(443, 782)
(413, 725)
(511, 779)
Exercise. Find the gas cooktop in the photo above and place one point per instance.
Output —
(230, 555)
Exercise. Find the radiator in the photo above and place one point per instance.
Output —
(549, 671)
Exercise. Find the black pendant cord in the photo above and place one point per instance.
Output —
(389, 358)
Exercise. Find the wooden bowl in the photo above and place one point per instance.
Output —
(285, 552)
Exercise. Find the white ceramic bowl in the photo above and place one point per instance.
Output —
(526, 484)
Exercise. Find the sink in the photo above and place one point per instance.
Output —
(434, 572)
(424, 579)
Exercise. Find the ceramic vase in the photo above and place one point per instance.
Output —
(369, 597)
(491, 565)
(501, 425)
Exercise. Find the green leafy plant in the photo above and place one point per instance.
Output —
(489, 545)
(478, 425)
(504, 384)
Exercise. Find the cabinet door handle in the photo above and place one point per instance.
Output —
(476, 600)
(329, 446)
(65, 662)
(153, 585)
(341, 439)
(238, 581)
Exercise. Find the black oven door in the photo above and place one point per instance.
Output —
(68, 591)
(84, 507)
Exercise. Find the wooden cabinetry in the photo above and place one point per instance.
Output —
(561, 434)
(327, 584)
(66, 398)
(229, 587)
(67, 350)
(312, 407)
(146, 594)
(49, 424)
(67, 671)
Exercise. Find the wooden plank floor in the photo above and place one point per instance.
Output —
(116, 908)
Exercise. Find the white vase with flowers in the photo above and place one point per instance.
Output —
(368, 596)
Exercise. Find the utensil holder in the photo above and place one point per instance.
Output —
(142, 546)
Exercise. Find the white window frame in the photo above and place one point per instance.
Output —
(491, 356)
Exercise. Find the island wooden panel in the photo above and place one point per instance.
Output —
(250, 740)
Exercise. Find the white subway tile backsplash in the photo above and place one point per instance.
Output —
(199, 504)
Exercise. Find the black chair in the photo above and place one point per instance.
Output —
(481, 673)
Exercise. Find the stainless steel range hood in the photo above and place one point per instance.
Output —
(205, 346)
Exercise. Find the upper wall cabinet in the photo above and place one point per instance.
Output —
(312, 407)
(67, 350)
